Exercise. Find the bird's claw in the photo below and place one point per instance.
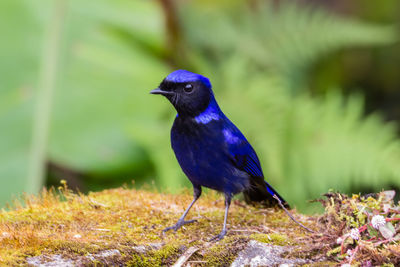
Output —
(178, 225)
(218, 237)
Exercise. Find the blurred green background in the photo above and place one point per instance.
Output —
(314, 85)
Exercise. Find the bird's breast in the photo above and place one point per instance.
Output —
(194, 143)
(202, 154)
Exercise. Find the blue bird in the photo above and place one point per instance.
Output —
(210, 149)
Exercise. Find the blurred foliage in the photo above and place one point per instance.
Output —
(18, 69)
(288, 38)
(94, 103)
(105, 126)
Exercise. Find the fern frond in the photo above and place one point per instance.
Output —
(288, 38)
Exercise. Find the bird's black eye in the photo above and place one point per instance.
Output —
(188, 88)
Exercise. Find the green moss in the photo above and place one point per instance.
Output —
(276, 239)
(162, 257)
(166, 254)
(333, 251)
(321, 263)
(76, 225)
(223, 253)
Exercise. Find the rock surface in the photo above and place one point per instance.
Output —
(60, 261)
(261, 254)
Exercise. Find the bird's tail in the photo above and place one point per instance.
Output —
(261, 191)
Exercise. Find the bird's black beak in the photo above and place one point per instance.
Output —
(158, 91)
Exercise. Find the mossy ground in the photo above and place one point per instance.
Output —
(75, 225)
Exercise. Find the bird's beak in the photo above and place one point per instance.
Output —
(158, 91)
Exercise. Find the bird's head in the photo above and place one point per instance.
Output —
(190, 93)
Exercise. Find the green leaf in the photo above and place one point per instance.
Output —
(388, 195)
(372, 231)
(21, 31)
(387, 230)
(102, 89)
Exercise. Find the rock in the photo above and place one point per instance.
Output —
(262, 254)
(60, 261)
(49, 261)
(143, 249)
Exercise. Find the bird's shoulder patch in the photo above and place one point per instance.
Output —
(209, 114)
(230, 138)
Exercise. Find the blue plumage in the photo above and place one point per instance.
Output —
(184, 76)
(210, 149)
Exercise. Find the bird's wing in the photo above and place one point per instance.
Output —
(241, 153)
(245, 159)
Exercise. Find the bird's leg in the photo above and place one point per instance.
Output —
(181, 221)
(221, 235)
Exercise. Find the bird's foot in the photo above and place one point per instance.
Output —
(178, 225)
(218, 237)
